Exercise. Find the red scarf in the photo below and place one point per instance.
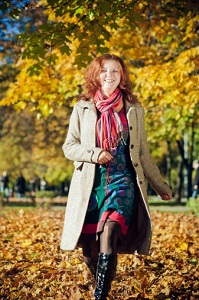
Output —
(109, 126)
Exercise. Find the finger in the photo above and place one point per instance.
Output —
(165, 197)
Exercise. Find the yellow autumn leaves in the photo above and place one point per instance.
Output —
(162, 54)
(32, 266)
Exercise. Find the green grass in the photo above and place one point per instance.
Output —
(154, 200)
(155, 203)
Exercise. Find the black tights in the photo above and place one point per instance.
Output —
(90, 251)
(108, 240)
(107, 244)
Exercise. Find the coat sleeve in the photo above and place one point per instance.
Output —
(75, 149)
(150, 168)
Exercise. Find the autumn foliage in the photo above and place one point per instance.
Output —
(159, 41)
(32, 266)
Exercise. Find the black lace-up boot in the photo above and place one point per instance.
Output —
(106, 269)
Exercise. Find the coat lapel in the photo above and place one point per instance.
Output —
(88, 104)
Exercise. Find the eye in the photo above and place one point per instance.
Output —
(103, 70)
(115, 71)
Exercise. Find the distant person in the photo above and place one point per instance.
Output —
(32, 186)
(43, 184)
(5, 182)
(21, 186)
(196, 180)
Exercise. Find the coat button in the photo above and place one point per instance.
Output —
(132, 146)
(131, 127)
(135, 165)
(89, 151)
(140, 181)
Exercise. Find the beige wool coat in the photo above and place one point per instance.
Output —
(80, 146)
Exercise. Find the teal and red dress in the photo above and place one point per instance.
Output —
(112, 196)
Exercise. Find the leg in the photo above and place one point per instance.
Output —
(6, 193)
(107, 263)
(90, 255)
(108, 244)
(108, 241)
(194, 195)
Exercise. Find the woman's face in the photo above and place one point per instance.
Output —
(110, 76)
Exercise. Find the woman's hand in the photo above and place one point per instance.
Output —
(166, 197)
(104, 157)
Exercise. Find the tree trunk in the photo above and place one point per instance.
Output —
(186, 149)
(190, 164)
(168, 160)
(180, 179)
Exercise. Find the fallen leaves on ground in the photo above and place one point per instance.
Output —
(32, 266)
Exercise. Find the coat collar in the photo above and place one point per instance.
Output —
(90, 105)
(87, 104)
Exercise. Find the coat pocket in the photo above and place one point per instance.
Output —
(78, 165)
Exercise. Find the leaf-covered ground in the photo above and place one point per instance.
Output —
(33, 267)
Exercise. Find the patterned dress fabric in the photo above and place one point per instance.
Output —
(112, 196)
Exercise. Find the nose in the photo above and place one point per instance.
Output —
(109, 73)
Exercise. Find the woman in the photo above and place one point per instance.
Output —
(107, 210)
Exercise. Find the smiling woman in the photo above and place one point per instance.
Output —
(110, 76)
(107, 209)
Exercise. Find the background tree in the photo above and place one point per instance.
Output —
(159, 42)
(12, 23)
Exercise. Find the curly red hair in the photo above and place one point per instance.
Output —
(93, 83)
